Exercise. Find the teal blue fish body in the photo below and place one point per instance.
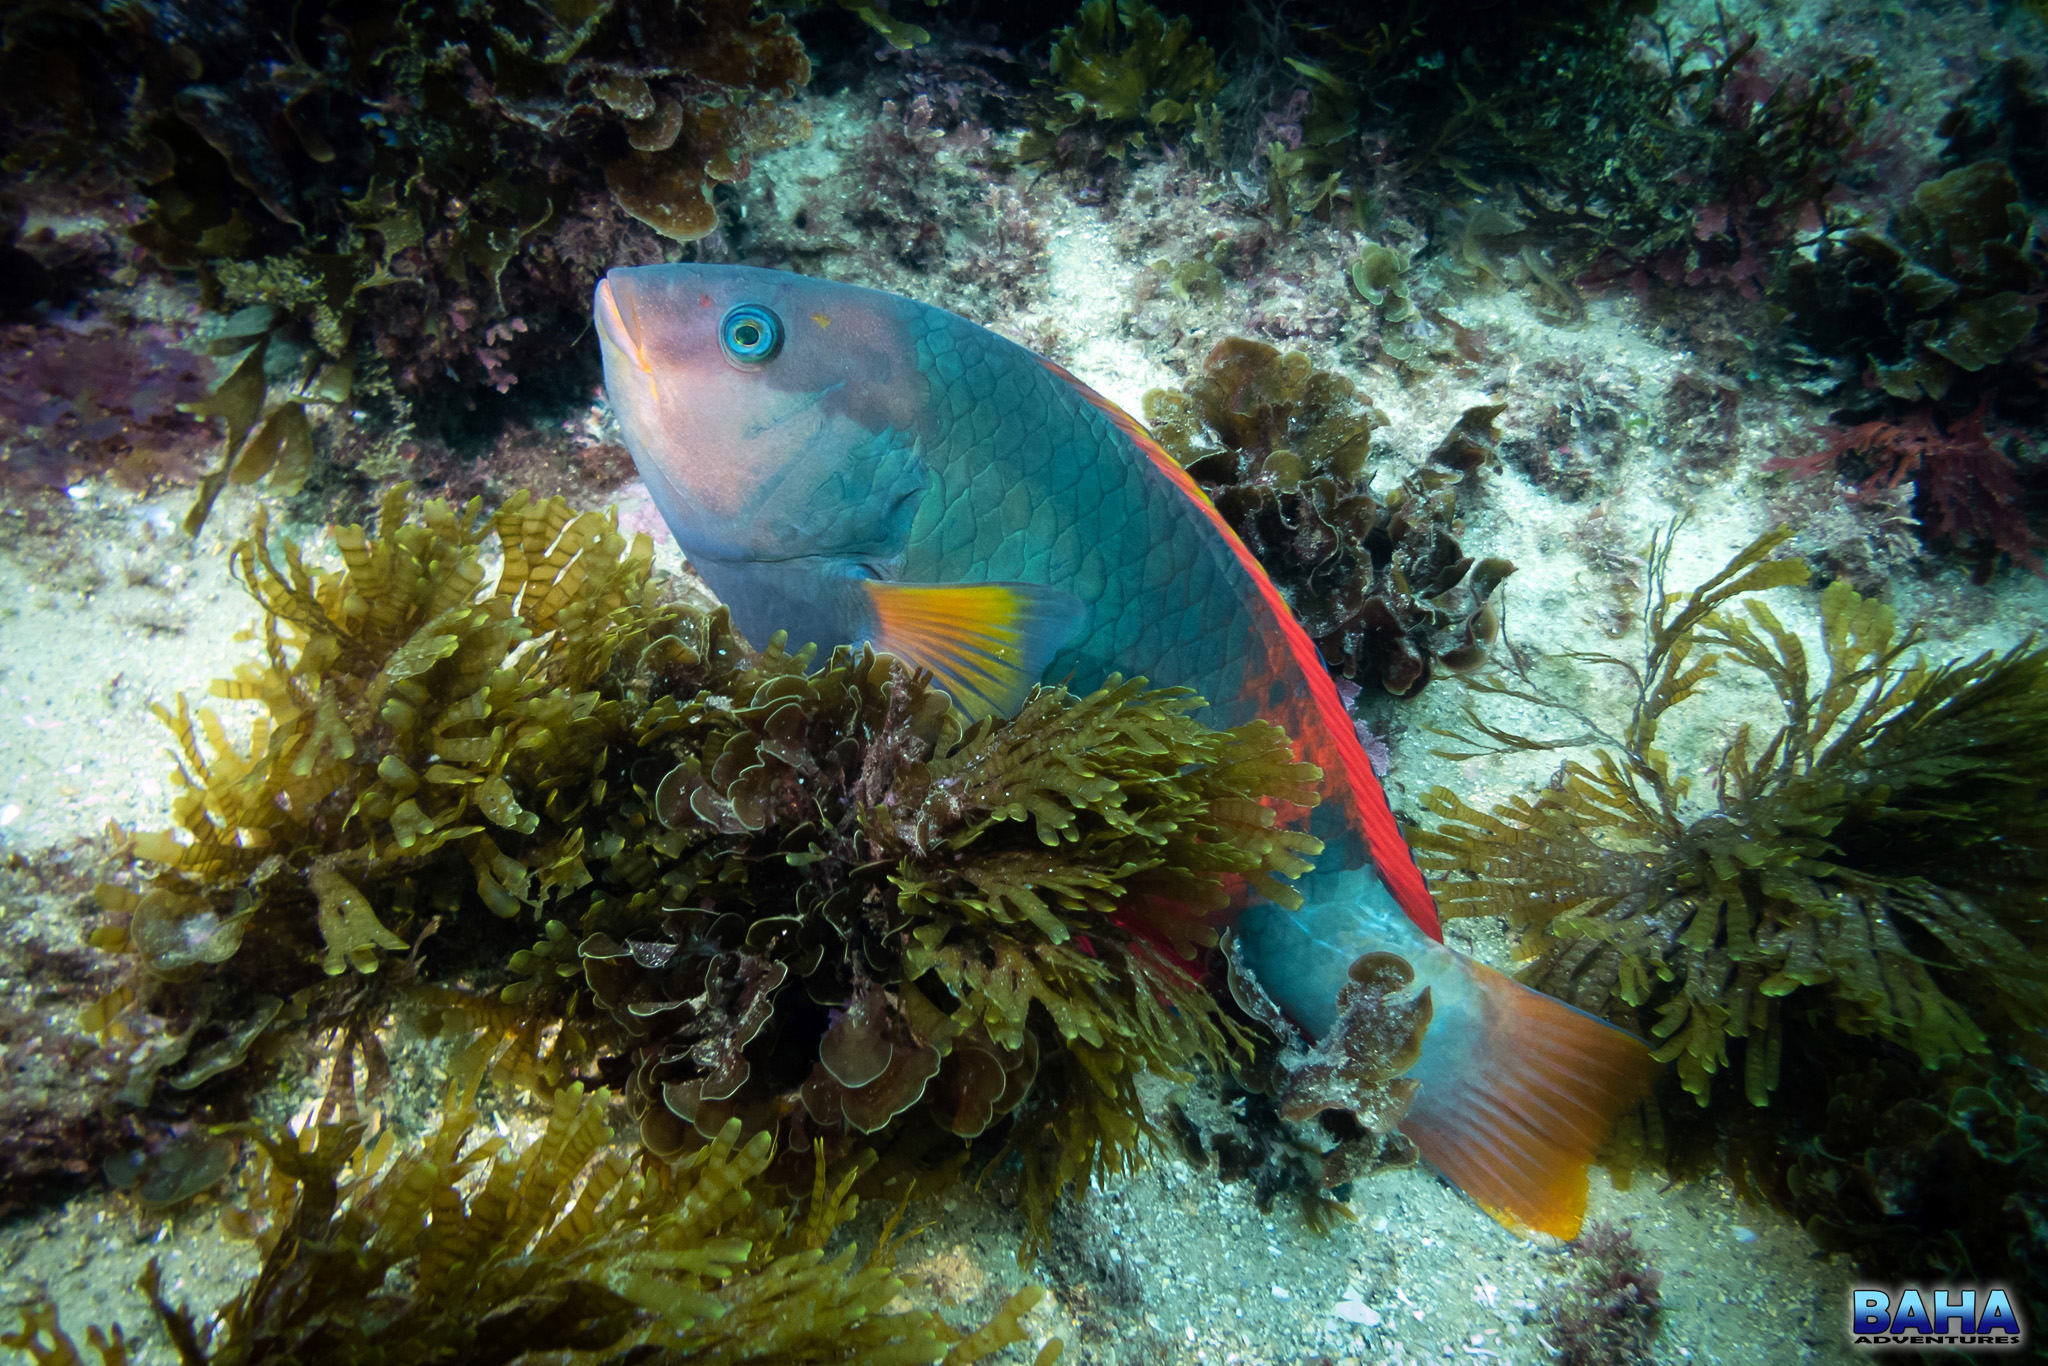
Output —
(852, 466)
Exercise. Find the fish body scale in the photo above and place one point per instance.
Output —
(1030, 482)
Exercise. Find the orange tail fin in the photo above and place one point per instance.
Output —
(1519, 1092)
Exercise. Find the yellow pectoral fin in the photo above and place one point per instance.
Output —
(985, 643)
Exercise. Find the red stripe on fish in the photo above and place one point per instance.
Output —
(1331, 744)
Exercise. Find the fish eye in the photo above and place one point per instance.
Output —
(750, 335)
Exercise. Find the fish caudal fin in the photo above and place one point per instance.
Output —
(1519, 1093)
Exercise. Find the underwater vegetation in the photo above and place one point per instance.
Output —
(930, 197)
(882, 930)
(809, 898)
(1940, 317)
(1856, 903)
(81, 401)
(1121, 75)
(1307, 1119)
(463, 1248)
(1609, 1312)
(1967, 488)
(397, 726)
(1948, 290)
(423, 194)
(1379, 582)
(1770, 149)
(2003, 116)
(1695, 158)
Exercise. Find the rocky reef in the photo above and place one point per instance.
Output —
(714, 952)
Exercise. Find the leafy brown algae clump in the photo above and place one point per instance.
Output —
(1119, 73)
(1378, 582)
(878, 929)
(805, 898)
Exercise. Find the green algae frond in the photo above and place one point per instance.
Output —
(465, 1249)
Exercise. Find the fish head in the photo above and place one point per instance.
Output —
(771, 415)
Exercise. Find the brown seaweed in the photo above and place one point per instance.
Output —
(1379, 581)
(466, 1250)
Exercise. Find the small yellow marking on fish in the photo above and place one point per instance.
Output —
(821, 320)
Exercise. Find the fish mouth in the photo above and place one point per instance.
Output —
(615, 322)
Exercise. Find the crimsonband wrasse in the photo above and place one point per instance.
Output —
(851, 466)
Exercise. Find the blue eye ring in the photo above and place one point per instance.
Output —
(750, 335)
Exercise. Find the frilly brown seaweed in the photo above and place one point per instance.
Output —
(430, 737)
(802, 897)
(421, 196)
(1379, 582)
(878, 929)
(1120, 73)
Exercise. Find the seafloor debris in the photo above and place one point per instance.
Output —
(1307, 1120)
(1610, 1311)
